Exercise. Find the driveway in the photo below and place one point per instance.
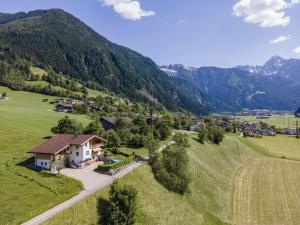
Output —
(90, 179)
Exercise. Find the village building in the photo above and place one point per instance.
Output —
(64, 107)
(288, 131)
(64, 150)
(111, 122)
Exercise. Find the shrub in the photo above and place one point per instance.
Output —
(171, 169)
(123, 205)
(67, 126)
(181, 139)
(113, 139)
(215, 134)
(202, 132)
(107, 167)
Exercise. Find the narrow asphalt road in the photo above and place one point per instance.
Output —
(85, 193)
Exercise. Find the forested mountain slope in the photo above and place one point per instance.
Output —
(56, 39)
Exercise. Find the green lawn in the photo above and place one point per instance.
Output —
(24, 122)
(208, 201)
(279, 146)
(278, 121)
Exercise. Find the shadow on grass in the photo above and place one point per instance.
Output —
(103, 211)
(47, 137)
(26, 162)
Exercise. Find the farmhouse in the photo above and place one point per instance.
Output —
(64, 150)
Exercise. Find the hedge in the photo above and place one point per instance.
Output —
(114, 166)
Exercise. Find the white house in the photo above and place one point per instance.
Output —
(68, 150)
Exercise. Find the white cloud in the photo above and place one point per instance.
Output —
(280, 39)
(266, 13)
(128, 9)
(297, 50)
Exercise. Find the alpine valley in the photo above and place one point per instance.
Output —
(275, 85)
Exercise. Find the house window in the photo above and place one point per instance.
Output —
(77, 146)
(45, 164)
(87, 153)
(85, 144)
(42, 163)
(77, 153)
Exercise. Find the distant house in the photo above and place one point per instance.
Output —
(68, 150)
(111, 122)
(63, 107)
(72, 101)
(288, 131)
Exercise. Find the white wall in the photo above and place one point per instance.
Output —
(43, 163)
(82, 150)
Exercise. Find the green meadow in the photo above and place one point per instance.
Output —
(24, 123)
(242, 181)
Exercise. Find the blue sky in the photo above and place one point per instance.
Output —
(192, 32)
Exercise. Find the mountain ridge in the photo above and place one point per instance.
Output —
(63, 42)
(243, 87)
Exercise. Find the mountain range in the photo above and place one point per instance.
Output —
(275, 85)
(56, 39)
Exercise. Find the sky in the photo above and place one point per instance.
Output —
(222, 33)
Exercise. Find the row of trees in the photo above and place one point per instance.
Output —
(170, 167)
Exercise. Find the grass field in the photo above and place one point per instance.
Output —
(267, 192)
(208, 201)
(279, 146)
(278, 121)
(267, 187)
(24, 122)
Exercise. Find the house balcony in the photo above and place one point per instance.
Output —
(96, 148)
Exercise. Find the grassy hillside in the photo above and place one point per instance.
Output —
(24, 122)
(279, 146)
(267, 187)
(267, 192)
(208, 202)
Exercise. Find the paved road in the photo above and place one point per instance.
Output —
(92, 182)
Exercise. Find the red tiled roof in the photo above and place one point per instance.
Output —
(61, 141)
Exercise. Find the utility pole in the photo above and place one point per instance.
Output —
(297, 129)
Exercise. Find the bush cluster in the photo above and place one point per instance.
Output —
(107, 167)
(213, 133)
(170, 169)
